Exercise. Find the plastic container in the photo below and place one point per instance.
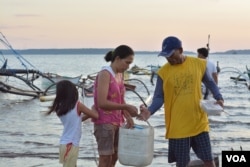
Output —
(211, 108)
(136, 146)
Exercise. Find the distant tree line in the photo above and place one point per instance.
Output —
(102, 51)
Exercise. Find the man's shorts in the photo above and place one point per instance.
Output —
(68, 155)
(107, 136)
(179, 149)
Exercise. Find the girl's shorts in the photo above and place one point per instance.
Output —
(68, 154)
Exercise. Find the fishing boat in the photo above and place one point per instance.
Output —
(85, 85)
(20, 82)
(56, 77)
(136, 70)
(52, 78)
(241, 78)
(24, 78)
(150, 70)
(154, 68)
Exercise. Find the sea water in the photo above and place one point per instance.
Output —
(31, 139)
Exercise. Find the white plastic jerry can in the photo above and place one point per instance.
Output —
(136, 146)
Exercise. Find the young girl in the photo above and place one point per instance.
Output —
(70, 111)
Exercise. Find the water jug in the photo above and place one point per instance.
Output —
(136, 146)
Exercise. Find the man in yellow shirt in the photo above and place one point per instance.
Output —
(178, 88)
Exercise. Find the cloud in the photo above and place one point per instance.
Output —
(27, 15)
(14, 27)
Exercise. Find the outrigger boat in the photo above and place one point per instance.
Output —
(152, 71)
(26, 76)
(136, 70)
(19, 81)
(242, 77)
(54, 78)
(245, 76)
(139, 71)
(24, 79)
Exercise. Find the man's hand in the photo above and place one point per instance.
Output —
(145, 113)
(220, 102)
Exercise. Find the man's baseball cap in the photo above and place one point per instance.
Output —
(169, 45)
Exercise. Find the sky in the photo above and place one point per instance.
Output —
(141, 24)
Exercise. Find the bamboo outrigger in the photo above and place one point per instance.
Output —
(26, 76)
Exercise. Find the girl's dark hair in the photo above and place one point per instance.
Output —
(121, 51)
(66, 98)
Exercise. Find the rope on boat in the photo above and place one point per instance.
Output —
(140, 82)
(18, 56)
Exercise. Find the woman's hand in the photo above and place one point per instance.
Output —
(133, 111)
(129, 119)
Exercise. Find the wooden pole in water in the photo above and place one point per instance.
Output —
(208, 48)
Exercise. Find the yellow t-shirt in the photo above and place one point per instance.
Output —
(182, 94)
